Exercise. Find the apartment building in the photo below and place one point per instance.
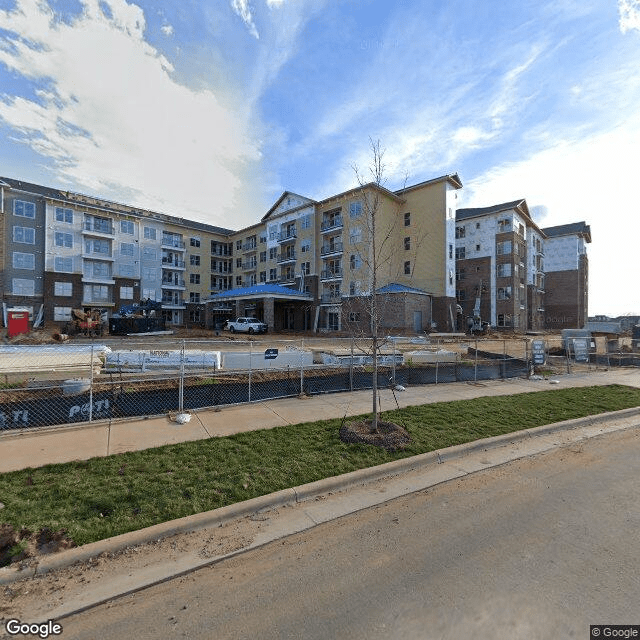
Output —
(567, 275)
(524, 278)
(63, 250)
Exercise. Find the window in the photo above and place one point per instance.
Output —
(273, 232)
(24, 260)
(355, 235)
(263, 256)
(96, 293)
(149, 253)
(407, 268)
(95, 223)
(194, 242)
(504, 293)
(305, 246)
(63, 239)
(97, 269)
(194, 261)
(24, 209)
(126, 226)
(126, 249)
(263, 238)
(504, 248)
(194, 315)
(460, 274)
(460, 232)
(407, 219)
(149, 233)
(63, 289)
(149, 294)
(273, 253)
(194, 297)
(305, 223)
(306, 268)
(407, 243)
(273, 274)
(60, 314)
(477, 247)
(238, 245)
(355, 262)
(477, 225)
(238, 281)
(23, 287)
(126, 293)
(504, 225)
(194, 278)
(239, 263)
(102, 247)
(64, 215)
(450, 252)
(63, 265)
(354, 316)
(504, 270)
(460, 253)
(355, 209)
(263, 276)
(24, 235)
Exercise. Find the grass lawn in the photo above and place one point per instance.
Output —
(104, 497)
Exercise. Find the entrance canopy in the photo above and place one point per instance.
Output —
(274, 292)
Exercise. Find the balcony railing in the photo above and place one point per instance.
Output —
(249, 266)
(169, 263)
(171, 242)
(331, 223)
(328, 249)
(331, 274)
(287, 236)
(173, 302)
(249, 246)
(331, 298)
(287, 257)
(174, 283)
(95, 226)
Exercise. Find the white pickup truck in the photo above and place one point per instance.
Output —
(246, 325)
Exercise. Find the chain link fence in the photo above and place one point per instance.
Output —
(62, 384)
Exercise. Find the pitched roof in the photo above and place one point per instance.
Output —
(73, 198)
(571, 229)
(464, 213)
(394, 287)
(258, 291)
(451, 178)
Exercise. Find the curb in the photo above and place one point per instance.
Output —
(294, 495)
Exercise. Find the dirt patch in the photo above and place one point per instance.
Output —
(18, 546)
(388, 435)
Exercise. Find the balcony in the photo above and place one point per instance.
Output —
(173, 243)
(98, 228)
(174, 284)
(249, 246)
(334, 297)
(90, 255)
(287, 236)
(170, 263)
(249, 266)
(174, 302)
(331, 249)
(330, 224)
(331, 274)
(287, 257)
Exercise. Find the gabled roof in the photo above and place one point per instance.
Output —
(394, 287)
(571, 229)
(518, 205)
(260, 291)
(288, 194)
(452, 178)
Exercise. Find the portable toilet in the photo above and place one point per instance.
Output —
(17, 321)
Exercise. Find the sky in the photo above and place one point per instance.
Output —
(210, 109)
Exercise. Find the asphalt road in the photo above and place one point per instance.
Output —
(538, 548)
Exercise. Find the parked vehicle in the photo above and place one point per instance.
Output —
(246, 325)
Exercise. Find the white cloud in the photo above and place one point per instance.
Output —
(590, 179)
(629, 12)
(111, 118)
(243, 10)
(274, 3)
(167, 29)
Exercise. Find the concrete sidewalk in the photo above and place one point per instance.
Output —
(34, 448)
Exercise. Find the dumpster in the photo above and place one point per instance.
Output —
(17, 322)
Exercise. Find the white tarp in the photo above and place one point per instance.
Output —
(158, 359)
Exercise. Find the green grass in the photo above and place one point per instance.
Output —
(103, 497)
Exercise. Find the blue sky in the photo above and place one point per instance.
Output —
(210, 109)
